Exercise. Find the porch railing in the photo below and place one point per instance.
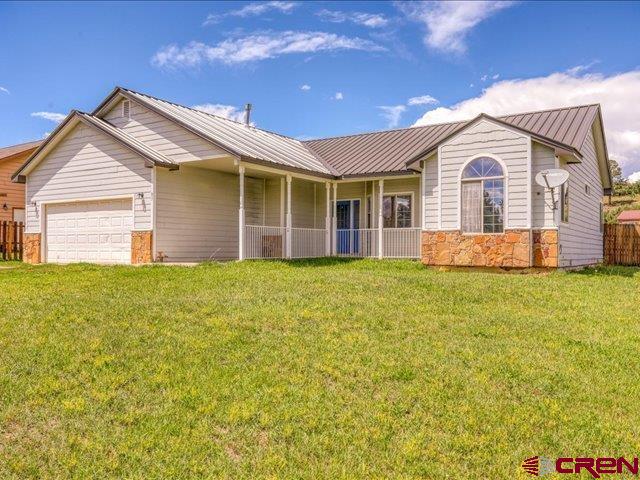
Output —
(308, 242)
(264, 242)
(270, 242)
(401, 242)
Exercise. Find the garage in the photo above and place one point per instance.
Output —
(96, 231)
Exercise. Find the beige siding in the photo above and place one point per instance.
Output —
(89, 164)
(274, 207)
(486, 137)
(430, 199)
(542, 158)
(162, 135)
(581, 238)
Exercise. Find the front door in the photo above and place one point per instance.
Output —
(348, 223)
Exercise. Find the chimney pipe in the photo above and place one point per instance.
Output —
(247, 114)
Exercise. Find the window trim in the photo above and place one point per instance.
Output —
(395, 194)
(505, 180)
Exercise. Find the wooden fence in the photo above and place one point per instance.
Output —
(622, 244)
(11, 240)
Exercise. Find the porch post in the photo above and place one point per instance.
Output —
(334, 220)
(380, 217)
(288, 218)
(241, 216)
(327, 221)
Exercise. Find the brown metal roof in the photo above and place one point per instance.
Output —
(12, 150)
(388, 151)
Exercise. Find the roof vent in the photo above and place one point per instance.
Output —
(126, 109)
(247, 114)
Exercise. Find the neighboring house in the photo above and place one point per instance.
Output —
(11, 193)
(629, 216)
(141, 179)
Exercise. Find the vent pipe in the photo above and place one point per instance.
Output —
(247, 114)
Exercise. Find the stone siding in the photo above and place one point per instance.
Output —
(141, 245)
(453, 248)
(32, 248)
(545, 248)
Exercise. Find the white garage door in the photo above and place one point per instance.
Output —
(97, 232)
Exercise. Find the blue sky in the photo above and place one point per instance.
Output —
(315, 69)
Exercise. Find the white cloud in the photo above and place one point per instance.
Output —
(495, 77)
(392, 114)
(422, 100)
(305, 87)
(226, 111)
(5, 90)
(448, 23)
(617, 93)
(634, 177)
(258, 46)
(51, 116)
(371, 20)
(338, 96)
(251, 10)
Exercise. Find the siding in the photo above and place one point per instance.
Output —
(197, 213)
(11, 193)
(89, 164)
(431, 192)
(542, 158)
(164, 136)
(486, 137)
(273, 216)
(581, 238)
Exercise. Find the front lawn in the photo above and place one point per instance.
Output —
(326, 369)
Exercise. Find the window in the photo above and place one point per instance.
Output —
(482, 196)
(587, 189)
(396, 211)
(126, 109)
(564, 202)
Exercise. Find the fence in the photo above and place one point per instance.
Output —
(363, 242)
(264, 242)
(622, 244)
(308, 242)
(11, 240)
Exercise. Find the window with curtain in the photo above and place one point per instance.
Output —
(482, 196)
(396, 211)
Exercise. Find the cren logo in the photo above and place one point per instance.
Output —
(538, 466)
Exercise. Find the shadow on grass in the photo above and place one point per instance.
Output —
(608, 270)
(320, 262)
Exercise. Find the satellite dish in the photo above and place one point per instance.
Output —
(552, 178)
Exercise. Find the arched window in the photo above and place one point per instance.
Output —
(482, 187)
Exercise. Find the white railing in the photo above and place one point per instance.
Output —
(401, 242)
(308, 242)
(264, 242)
(270, 242)
(357, 242)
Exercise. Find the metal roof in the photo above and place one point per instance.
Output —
(245, 141)
(12, 150)
(388, 151)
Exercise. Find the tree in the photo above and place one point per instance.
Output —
(616, 171)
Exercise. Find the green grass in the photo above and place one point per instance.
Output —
(325, 369)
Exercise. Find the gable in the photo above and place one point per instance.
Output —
(166, 137)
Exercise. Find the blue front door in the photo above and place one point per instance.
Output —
(348, 223)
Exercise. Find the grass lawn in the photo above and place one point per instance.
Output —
(323, 369)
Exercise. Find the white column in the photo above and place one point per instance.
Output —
(380, 218)
(241, 216)
(334, 220)
(282, 193)
(423, 179)
(327, 221)
(288, 218)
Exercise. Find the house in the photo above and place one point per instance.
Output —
(142, 179)
(629, 216)
(11, 193)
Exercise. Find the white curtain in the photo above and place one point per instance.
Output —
(472, 207)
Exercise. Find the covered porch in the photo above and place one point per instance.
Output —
(378, 218)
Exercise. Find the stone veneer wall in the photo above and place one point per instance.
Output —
(453, 248)
(545, 248)
(141, 247)
(32, 248)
